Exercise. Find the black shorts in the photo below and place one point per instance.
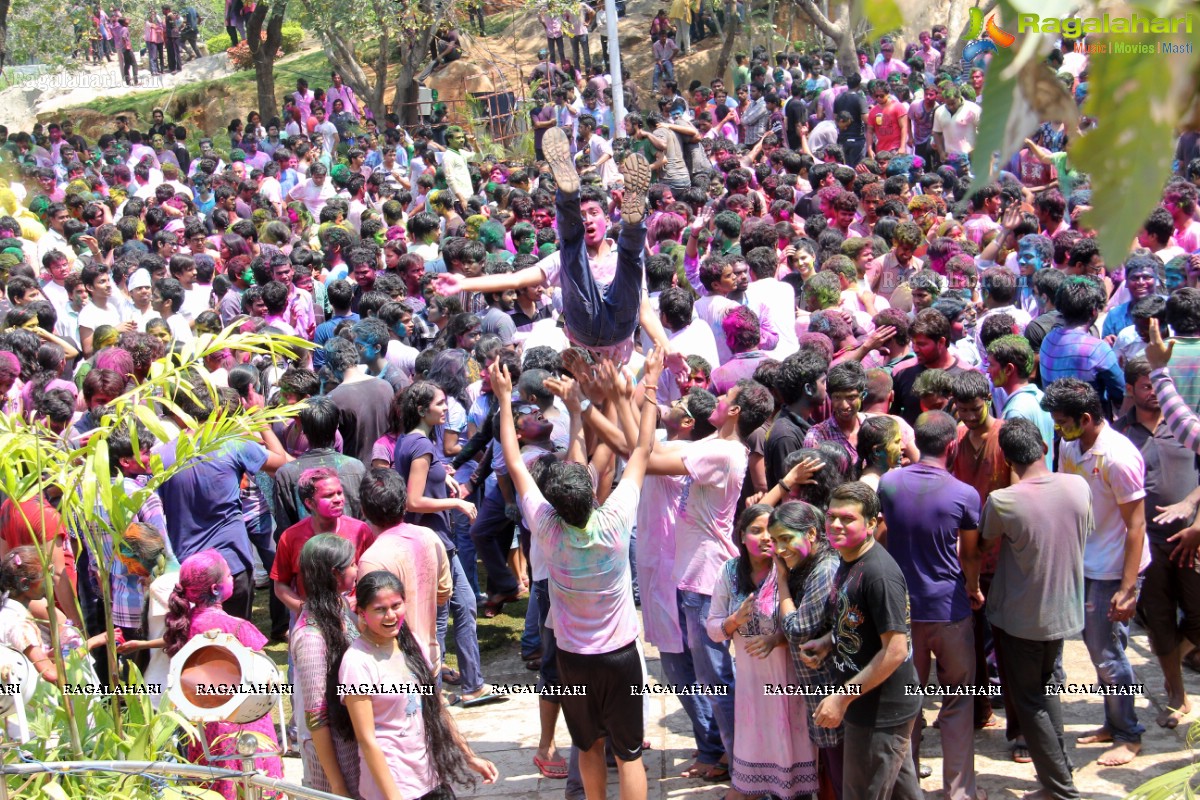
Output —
(610, 707)
(1169, 602)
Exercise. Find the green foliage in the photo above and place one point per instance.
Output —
(293, 36)
(885, 16)
(218, 44)
(36, 463)
(1137, 100)
(145, 734)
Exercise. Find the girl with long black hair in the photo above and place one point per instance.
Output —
(409, 746)
(323, 632)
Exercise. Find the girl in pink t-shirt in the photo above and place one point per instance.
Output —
(408, 743)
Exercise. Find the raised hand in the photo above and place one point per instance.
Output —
(1158, 352)
(447, 283)
(501, 381)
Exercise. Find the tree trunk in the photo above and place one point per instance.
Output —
(733, 26)
(3, 33)
(408, 91)
(263, 50)
(956, 26)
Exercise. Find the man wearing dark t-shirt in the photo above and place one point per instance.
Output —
(854, 138)
(869, 645)
(795, 114)
(930, 335)
(933, 534)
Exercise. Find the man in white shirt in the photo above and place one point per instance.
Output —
(1114, 556)
(315, 191)
(955, 123)
(98, 310)
(773, 299)
(326, 130)
(53, 238)
(600, 155)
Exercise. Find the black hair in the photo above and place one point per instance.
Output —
(1078, 299)
(319, 421)
(848, 376)
(756, 406)
(798, 371)
(971, 385)
(1183, 311)
(383, 496)
(1073, 398)
(569, 492)
(1021, 441)
(859, 493)
(936, 431)
(321, 558)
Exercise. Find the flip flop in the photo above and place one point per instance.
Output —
(551, 769)
(557, 148)
(717, 773)
(1020, 754)
(482, 700)
(636, 171)
(451, 677)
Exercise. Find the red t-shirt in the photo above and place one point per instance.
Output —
(16, 532)
(286, 568)
(885, 124)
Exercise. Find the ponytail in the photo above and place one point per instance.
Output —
(179, 621)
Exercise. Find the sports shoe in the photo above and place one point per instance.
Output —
(557, 148)
(636, 171)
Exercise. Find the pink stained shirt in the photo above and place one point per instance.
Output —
(417, 556)
(591, 592)
(658, 514)
(704, 535)
(399, 724)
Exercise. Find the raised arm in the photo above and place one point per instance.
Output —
(449, 283)
(522, 481)
(635, 469)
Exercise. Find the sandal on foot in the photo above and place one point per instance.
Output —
(1020, 754)
(556, 768)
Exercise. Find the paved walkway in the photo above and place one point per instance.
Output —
(507, 733)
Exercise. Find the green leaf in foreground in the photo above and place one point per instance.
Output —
(1137, 99)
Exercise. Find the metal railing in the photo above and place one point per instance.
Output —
(252, 782)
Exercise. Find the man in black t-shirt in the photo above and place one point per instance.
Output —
(854, 138)
(871, 652)
(795, 114)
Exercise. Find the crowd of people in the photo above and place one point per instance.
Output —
(758, 369)
(169, 36)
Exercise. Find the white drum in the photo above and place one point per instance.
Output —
(18, 677)
(214, 678)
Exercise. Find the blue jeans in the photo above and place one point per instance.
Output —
(492, 533)
(465, 544)
(712, 661)
(1106, 641)
(679, 671)
(466, 643)
(598, 317)
(663, 71)
(531, 637)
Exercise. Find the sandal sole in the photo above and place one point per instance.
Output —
(557, 148)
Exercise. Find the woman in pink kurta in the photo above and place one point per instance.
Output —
(195, 607)
(773, 752)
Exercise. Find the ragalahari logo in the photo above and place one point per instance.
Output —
(980, 26)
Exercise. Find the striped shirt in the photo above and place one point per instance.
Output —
(1181, 420)
(810, 621)
(1075, 353)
